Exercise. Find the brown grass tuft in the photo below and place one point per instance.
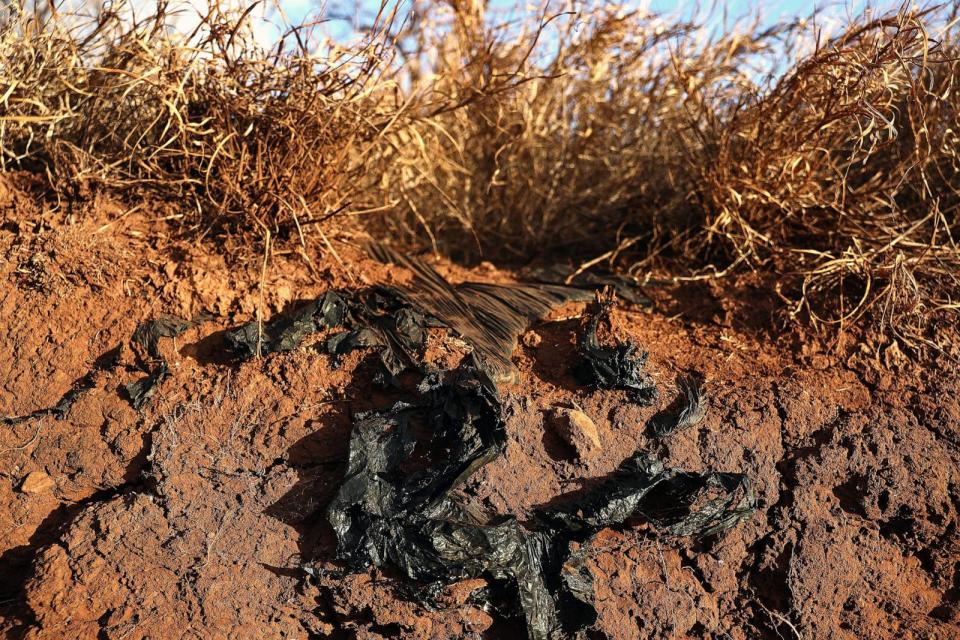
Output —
(610, 138)
(248, 138)
(653, 147)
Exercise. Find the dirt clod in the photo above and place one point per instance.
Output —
(532, 339)
(457, 594)
(37, 482)
(578, 430)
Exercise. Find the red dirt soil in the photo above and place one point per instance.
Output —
(191, 518)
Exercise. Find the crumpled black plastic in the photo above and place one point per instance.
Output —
(666, 498)
(374, 317)
(147, 334)
(396, 507)
(488, 317)
(141, 391)
(620, 366)
(686, 411)
(286, 331)
(62, 407)
(146, 340)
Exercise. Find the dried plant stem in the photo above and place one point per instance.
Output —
(263, 279)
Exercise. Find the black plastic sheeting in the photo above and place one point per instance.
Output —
(375, 317)
(58, 411)
(396, 507)
(147, 334)
(146, 343)
(620, 366)
(626, 288)
(688, 410)
(488, 317)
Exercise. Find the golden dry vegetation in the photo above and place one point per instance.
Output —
(587, 132)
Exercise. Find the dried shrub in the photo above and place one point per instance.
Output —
(555, 163)
(845, 175)
(247, 138)
(606, 137)
(650, 146)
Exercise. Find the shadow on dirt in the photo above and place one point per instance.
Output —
(320, 460)
(16, 563)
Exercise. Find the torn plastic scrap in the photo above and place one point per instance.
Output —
(620, 366)
(387, 513)
(688, 410)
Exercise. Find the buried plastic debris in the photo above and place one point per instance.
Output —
(140, 391)
(147, 334)
(286, 331)
(488, 317)
(146, 344)
(145, 341)
(375, 317)
(395, 505)
(617, 367)
(686, 411)
(62, 407)
(106, 361)
(667, 498)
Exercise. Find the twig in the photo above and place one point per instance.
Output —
(263, 277)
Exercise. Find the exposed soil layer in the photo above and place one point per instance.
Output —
(192, 517)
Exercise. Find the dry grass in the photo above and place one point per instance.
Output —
(247, 138)
(610, 138)
(653, 147)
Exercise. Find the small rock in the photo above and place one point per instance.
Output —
(475, 619)
(532, 339)
(457, 594)
(893, 356)
(820, 362)
(284, 293)
(579, 431)
(36, 482)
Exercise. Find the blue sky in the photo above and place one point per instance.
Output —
(771, 11)
(784, 9)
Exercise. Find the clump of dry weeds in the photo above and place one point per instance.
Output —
(845, 173)
(245, 137)
(652, 146)
(609, 137)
